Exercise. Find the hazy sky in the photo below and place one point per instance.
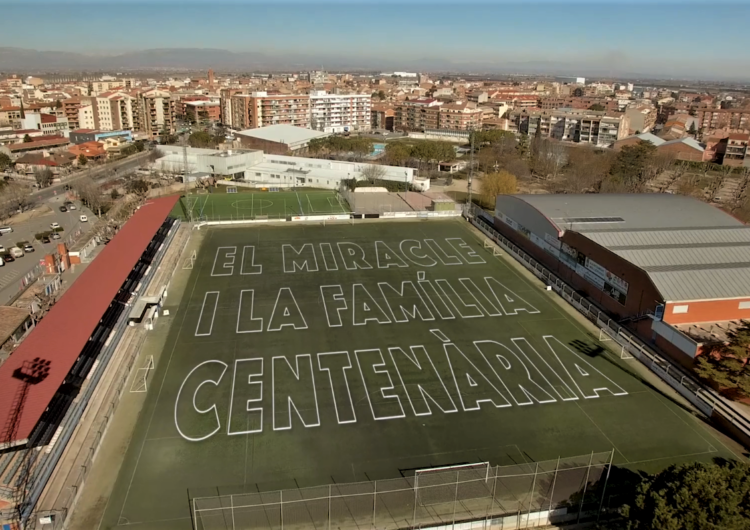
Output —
(637, 36)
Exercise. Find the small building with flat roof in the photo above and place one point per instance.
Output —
(279, 139)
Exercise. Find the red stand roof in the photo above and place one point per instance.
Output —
(63, 332)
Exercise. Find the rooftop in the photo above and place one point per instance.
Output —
(10, 320)
(689, 249)
(285, 134)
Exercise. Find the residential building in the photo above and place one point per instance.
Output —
(736, 149)
(572, 125)
(418, 114)
(462, 116)
(156, 113)
(260, 109)
(90, 150)
(382, 117)
(642, 118)
(70, 108)
(730, 119)
(47, 123)
(336, 113)
(225, 105)
(478, 97)
(203, 111)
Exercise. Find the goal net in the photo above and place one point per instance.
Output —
(190, 262)
(448, 484)
(605, 335)
(140, 380)
(492, 247)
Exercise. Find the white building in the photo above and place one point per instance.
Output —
(278, 171)
(337, 113)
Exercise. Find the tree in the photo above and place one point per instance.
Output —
(373, 173)
(89, 192)
(43, 177)
(14, 197)
(726, 363)
(492, 137)
(139, 146)
(58, 104)
(597, 107)
(397, 153)
(26, 138)
(137, 186)
(82, 160)
(5, 162)
(696, 496)
(494, 184)
(522, 147)
(114, 194)
(629, 169)
(692, 131)
(381, 95)
(201, 139)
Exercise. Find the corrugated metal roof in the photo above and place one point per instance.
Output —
(661, 238)
(690, 250)
(676, 257)
(641, 211)
(63, 332)
(282, 133)
(711, 284)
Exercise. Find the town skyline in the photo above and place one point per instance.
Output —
(500, 37)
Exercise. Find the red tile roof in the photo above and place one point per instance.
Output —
(38, 144)
(48, 118)
(61, 335)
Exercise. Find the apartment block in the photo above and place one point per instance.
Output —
(642, 118)
(736, 151)
(203, 111)
(225, 104)
(570, 125)
(418, 114)
(260, 109)
(70, 111)
(156, 113)
(382, 117)
(731, 119)
(460, 116)
(336, 113)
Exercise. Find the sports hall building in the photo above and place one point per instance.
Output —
(674, 269)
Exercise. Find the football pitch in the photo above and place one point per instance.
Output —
(255, 204)
(308, 355)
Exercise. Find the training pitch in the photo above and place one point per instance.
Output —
(305, 355)
(221, 206)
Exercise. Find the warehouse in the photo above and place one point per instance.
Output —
(672, 267)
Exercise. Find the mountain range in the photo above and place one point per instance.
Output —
(23, 60)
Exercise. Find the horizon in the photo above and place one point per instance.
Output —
(665, 39)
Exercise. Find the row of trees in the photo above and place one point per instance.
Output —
(338, 145)
(423, 152)
(725, 364)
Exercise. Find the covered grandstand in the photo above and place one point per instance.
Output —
(45, 375)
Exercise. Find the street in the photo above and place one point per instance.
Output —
(12, 273)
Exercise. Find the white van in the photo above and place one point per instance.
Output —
(6, 229)
(16, 252)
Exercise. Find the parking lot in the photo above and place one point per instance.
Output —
(12, 273)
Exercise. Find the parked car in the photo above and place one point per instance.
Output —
(63, 209)
(16, 252)
(5, 229)
(72, 206)
(55, 235)
(45, 240)
(28, 248)
(2, 262)
(7, 258)
(84, 219)
(2, 249)
(54, 226)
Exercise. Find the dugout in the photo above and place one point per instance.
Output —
(657, 262)
(43, 377)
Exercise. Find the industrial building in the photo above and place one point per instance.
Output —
(258, 169)
(675, 269)
(278, 139)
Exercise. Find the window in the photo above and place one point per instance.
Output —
(744, 305)
(257, 174)
(678, 309)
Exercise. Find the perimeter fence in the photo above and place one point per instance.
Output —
(504, 497)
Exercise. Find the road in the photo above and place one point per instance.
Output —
(12, 273)
(104, 172)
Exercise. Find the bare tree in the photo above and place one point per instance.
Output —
(659, 163)
(13, 198)
(43, 177)
(550, 156)
(90, 193)
(373, 172)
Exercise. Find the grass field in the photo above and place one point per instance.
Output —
(309, 355)
(250, 205)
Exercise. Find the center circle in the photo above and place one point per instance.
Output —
(251, 204)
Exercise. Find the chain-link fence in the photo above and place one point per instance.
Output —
(517, 496)
(703, 398)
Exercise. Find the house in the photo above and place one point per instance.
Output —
(32, 162)
(91, 150)
(687, 149)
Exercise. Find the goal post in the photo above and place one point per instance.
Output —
(190, 262)
(140, 380)
(491, 246)
(442, 485)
